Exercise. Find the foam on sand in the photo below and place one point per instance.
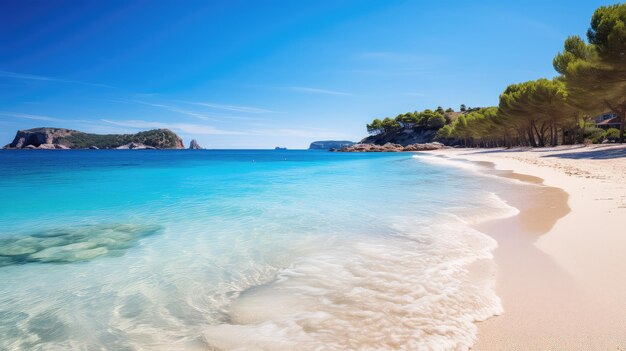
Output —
(460, 163)
(422, 288)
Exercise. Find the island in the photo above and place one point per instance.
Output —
(60, 138)
(330, 144)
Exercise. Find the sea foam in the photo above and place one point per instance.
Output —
(420, 289)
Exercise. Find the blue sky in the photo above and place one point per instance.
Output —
(259, 74)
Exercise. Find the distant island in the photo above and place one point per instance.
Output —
(59, 138)
(330, 144)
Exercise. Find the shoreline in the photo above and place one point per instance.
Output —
(559, 269)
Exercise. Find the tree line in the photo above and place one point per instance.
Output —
(425, 119)
(543, 112)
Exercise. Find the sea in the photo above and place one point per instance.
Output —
(243, 250)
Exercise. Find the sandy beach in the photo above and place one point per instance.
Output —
(562, 260)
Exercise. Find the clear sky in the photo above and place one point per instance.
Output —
(259, 74)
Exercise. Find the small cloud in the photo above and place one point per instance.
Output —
(24, 76)
(174, 109)
(544, 29)
(186, 128)
(235, 108)
(395, 57)
(29, 116)
(186, 112)
(145, 95)
(384, 63)
(316, 91)
(300, 133)
(391, 71)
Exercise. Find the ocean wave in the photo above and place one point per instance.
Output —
(480, 168)
(422, 288)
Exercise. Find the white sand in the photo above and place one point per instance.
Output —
(566, 289)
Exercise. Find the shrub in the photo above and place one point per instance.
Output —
(436, 121)
(596, 135)
(612, 134)
(444, 133)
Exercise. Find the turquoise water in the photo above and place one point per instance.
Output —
(267, 250)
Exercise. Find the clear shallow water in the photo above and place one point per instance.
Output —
(272, 250)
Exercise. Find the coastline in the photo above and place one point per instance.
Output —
(560, 269)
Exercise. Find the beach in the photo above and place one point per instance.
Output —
(560, 261)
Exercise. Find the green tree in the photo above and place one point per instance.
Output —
(446, 132)
(538, 108)
(461, 130)
(436, 121)
(595, 72)
(424, 116)
(375, 127)
(408, 119)
(612, 134)
(594, 134)
(390, 125)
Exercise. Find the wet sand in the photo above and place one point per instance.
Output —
(561, 262)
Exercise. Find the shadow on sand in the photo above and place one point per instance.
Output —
(599, 154)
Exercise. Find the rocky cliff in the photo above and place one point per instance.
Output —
(59, 138)
(329, 144)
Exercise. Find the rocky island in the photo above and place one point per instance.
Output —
(60, 138)
(193, 145)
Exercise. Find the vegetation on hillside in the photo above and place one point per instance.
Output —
(541, 112)
(160, 138)
(426, 119)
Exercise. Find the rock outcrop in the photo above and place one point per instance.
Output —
(135, 146)
(193, 145)
(59, 138)
(390, 147)
(403, 137)
(40, 136)
(69, 244)
(330, 144)
(53, 147)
